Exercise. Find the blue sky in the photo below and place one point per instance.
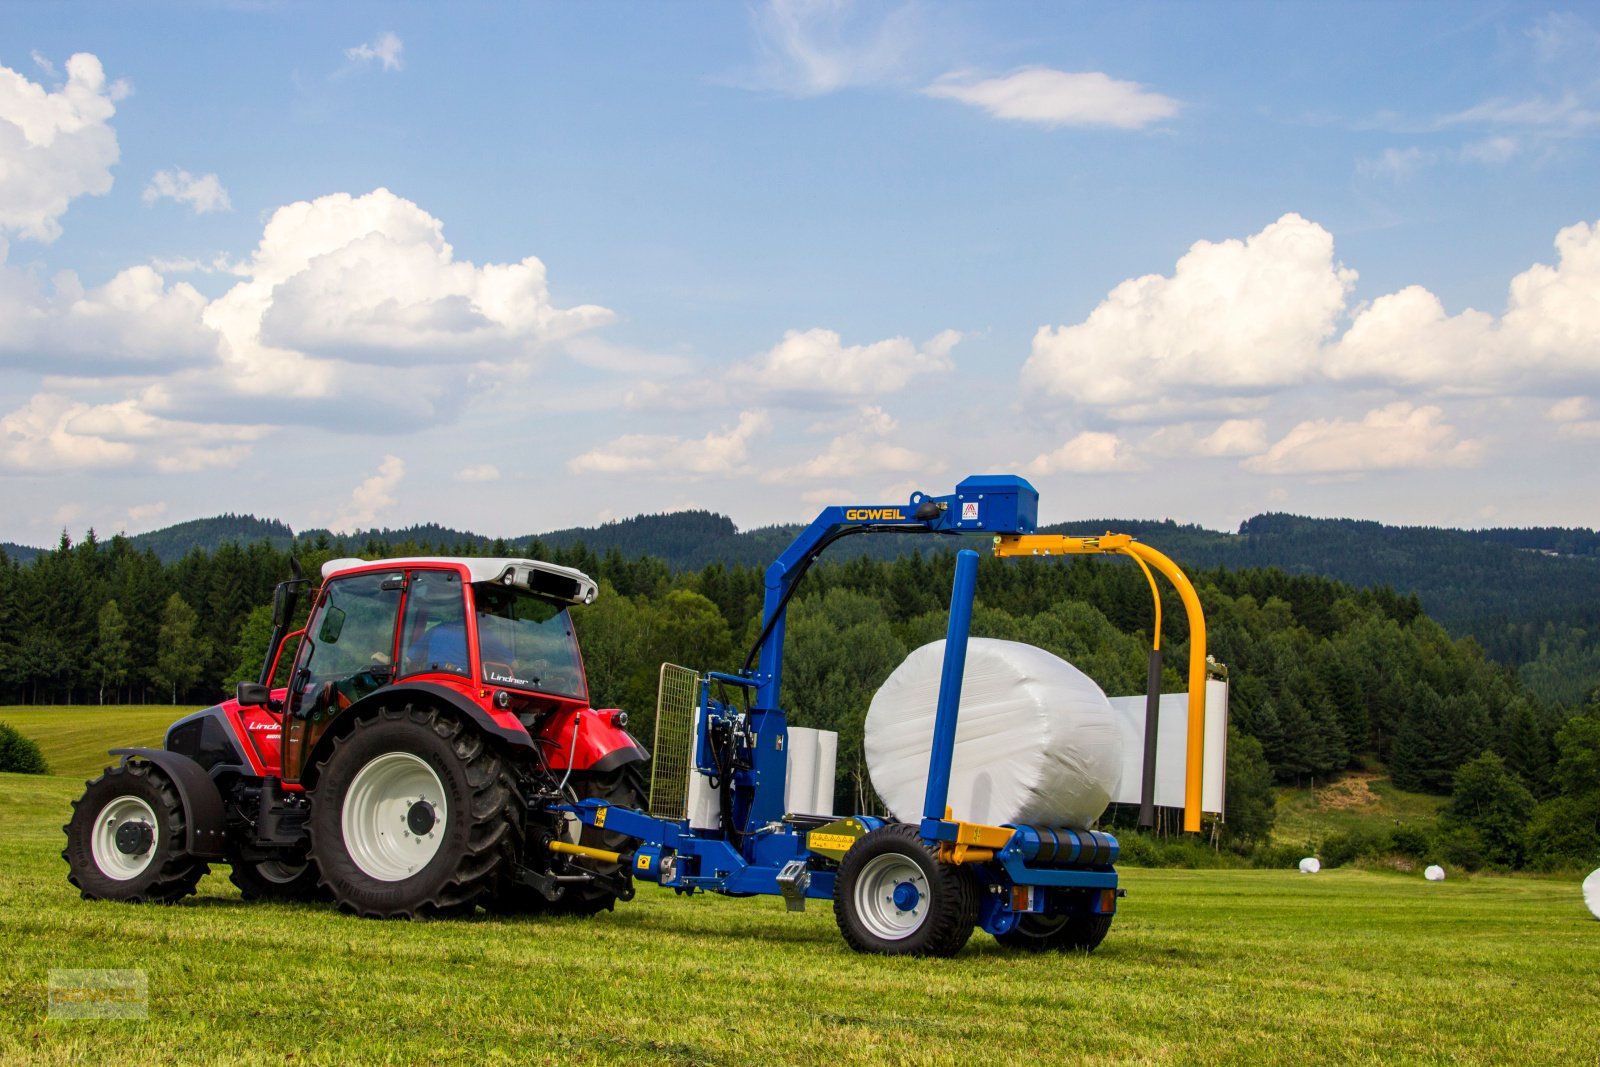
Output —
(514, 268)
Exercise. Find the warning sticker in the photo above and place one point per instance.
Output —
(969, 511)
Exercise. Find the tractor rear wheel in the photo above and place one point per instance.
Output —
(894, 896)
(625, 788)
(410, 816)
(1068, 933)
(126, 840)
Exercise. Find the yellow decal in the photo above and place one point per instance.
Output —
(872, 514)
(600, 818)
(837, 842)
(644, 863)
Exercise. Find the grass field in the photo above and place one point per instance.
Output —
(1201, 967)
(74, 740)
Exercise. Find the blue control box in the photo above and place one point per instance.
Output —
(997, 503)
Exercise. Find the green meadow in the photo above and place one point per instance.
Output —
(1237, 966)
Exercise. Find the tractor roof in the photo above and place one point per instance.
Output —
(547, 579)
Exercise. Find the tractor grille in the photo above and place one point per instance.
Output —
(669, 766)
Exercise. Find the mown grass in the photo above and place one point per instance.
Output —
(1201, 967)
(74, 740)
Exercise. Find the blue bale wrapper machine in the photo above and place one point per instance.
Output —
(898, 888)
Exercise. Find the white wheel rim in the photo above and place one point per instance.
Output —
(278, 872)
(112, 861)
(376, 819)
(875, 892)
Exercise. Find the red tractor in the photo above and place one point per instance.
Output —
(435, 711)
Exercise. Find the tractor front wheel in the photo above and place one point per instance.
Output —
(410, 816)
(894, 896)
(126, 839)
(1067, 933)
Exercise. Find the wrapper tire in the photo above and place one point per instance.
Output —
(940, 909)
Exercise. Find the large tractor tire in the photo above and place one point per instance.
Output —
(894, 896)
(126, 839)
(410, 816)
(275, 879)
(625, 788)
(1066, 933)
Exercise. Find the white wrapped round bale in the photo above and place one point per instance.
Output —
(1310, 865)
(1434, 873)
(1036, 741)
(1591, 893)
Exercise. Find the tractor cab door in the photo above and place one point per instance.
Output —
(347, 652)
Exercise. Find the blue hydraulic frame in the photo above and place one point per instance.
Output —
(763, 849)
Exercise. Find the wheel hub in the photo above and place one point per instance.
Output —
(906, 896)
(420, 817)
(891, 896)
(134, 838)
(394, 816)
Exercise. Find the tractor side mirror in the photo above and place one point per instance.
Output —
(253, 695)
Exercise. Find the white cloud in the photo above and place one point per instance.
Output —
(1397, 164)
(718, 452)
(1549, 336)
(55, 146)
(1235, 437)
(55, 433)
(484, 472)
(134, 324)
(1571, 417)
(1058, 98)
(385, 49)
(1091, 452)
(1397, 436)
(863, 448)
(807, 369)
(810, 47)
(1236, 318)
(372, 497)
(370, 281)
(817, 364)
(203, 194)
(142, 513)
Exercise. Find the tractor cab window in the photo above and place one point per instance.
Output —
(433, 635)
(526, 642)
(348, 648)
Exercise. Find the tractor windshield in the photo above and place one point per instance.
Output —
(526, 642)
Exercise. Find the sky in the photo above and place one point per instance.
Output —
(515, 268)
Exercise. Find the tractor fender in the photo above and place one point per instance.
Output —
(203, 814)
(598, 744)
(508, 731)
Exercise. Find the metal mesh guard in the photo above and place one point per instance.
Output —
(676, 702)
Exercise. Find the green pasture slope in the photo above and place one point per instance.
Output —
(74, 740)
(1201, 967)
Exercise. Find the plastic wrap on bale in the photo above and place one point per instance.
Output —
(1036, 741)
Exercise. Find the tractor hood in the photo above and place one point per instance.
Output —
(566, 584)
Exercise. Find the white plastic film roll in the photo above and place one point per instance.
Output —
(1036, 741)
(827, 763)
(800, 787)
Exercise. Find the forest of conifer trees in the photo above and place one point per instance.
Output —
(1325, 677)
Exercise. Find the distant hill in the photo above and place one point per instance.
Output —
(1530, 597)
(20, 553)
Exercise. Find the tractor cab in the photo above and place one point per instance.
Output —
(494, 632)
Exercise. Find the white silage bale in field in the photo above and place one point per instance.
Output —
(1591, 893)
(1434, 873)
(1036, 741)
(1310, 865)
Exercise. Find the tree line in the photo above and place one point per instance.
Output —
(1325, 677)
